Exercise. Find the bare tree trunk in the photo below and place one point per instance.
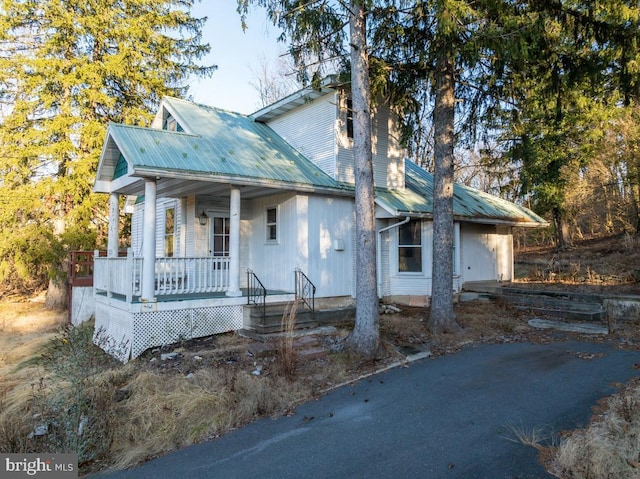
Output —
(442, 318)
(561, 227)
(57, 295)
(364, 339)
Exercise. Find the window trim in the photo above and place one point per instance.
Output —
(212, 235)
(171, 234)
(419, 246)
(275, 224)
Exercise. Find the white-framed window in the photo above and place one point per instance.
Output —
(220, 236)
(272, 224)
(349, 120)
(410, 247)
(169, 231)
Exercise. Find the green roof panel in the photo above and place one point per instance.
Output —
(225, 144)
(417, 199)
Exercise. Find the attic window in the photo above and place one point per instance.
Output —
(349, 118)
(170, 124)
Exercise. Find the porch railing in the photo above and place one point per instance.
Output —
(123, 276)
(305, 289)
(256, 292)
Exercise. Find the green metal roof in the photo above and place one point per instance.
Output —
(222, 145)
(219, 143)
(468, 203)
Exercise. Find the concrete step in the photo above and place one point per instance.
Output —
(594, 315)
(272, 320)
(564, 295)
(559, 304)
(550, 302)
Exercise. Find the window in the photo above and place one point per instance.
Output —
(169, 231)
(349, 118)
(272, 224)
(220, 238)
(171, 124)
(410, 247)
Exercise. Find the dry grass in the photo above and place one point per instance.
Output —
(537, 437)
(165, 413)
(135, 412)
(287, 353)
(609, 447)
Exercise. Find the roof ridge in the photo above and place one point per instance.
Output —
(204, 105)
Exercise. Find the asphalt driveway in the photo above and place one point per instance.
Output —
(437, 418)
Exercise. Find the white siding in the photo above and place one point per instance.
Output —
(326, 251)
(504, 248)
(190, 241)
(410, 283)
(384, 242)
(136, 229)
(388, 156)
(274, 262)
(311, 130)
(314, 234)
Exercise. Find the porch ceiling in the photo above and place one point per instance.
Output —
(178, 187)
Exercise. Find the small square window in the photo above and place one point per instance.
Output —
(272, 224)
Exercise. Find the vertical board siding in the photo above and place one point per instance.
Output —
(504, 248)
(327, 248)
(311, 130)
(274, 263)
(388, 156)
(314, 234)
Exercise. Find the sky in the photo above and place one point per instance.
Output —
(235, 52)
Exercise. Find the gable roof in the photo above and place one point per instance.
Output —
(215, 144)
(226, 147)
(469, 204)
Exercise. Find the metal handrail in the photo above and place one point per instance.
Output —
(305, 289)
(255, 290)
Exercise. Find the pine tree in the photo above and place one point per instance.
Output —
(67, 68)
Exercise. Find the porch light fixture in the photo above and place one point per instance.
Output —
(203, 218)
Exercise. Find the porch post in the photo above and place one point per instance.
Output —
(234, 243)
(112, 240)
(149, 241)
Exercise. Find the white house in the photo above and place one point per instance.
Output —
(226, 204)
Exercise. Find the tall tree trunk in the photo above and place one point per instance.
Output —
(561, 228)
(364, 338)
(442, 318)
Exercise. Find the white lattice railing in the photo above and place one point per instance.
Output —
(123, 276)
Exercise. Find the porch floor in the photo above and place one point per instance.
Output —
(165, 298)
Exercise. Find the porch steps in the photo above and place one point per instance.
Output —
(272, 320)
(558, 304)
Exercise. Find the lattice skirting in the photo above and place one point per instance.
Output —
(130, 334)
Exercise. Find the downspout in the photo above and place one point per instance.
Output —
(379, 255)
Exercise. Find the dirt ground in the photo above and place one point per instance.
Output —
(608, 265)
